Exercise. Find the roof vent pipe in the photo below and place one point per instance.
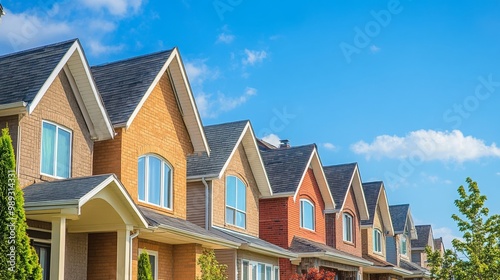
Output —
(284, 144)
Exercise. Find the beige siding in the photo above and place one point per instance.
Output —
(239, 167)
(196, 204)
(227, 257)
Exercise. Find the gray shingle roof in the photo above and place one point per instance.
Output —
(399, 214)
(438, 242)
(243, 238)
(412, 266)
(302, 245)
(221, 139)
(23, 74)
(123, 83)
(372, 192)
(286, 166)
(339, 178)
(67, 189)
(423, 232)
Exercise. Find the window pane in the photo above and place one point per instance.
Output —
(245, 270)
(141, 179)
(276, 273)
(63, 153)
(167, 185)
(154, 180)
(48, 148)
(242, 196)
(231, 191)
(269, 272)
(240, 219)
(254, 272)
(152, 261)
(230, 216)
(261, 271)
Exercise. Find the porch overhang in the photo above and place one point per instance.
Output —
(336, 258)
(387, 270)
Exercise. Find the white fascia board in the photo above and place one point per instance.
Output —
(197, 236)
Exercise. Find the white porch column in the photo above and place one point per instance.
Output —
(123, 253)
(58, 248)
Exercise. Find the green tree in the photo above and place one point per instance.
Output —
(210, 267)
(18, 259)
(477, 254)
(144, 270)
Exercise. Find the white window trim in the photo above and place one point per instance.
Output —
(152, 253)
(375, 231)
(256, 263)
(233, 208)
(146, 182)
(351, 218)
(302, 215)
(58, 126)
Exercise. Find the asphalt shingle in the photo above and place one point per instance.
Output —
(67, 189)
(339, 179)
(123, 83)
(286, 166)
(302, 245)
(372, 192)
(399, 214)
(23, 74)
(222, 139)
(423, 233)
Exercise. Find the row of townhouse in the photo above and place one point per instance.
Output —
(114, 160)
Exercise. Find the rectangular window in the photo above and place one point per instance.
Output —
(153, 261)
(377, 241)
(403, 245)
(245, 273)
(276, 273)
(43, 252)
(235, 202)
(56, 151)
(258, 271)
(347, 227)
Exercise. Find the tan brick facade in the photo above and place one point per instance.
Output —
(239, 167)
(367, 237)
(165, 257)
(157, 129)
(59, 106)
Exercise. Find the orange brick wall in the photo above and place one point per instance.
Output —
(101, 262)
(186, 261)
(58, 105)
(239, 167)
(287, 269)
(158, 129)
(350, 207)
(165, 257)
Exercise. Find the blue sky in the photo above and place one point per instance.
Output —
(408, 89)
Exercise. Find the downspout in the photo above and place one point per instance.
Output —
(131, 238)
(206, 202)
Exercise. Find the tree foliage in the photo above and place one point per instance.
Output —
(315, 274)
(144, 267)
(477, 254)
(18, 259)
(210, 267)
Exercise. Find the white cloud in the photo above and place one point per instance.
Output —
(102, 25)
(211, 106)
(434, 179)
(115, 7)
(97, 48)
(225, 38)
(253, 57)
(198, 71)
(374, 49)
(427, 145)
(447, 235)
(329, 146)
(272, 139)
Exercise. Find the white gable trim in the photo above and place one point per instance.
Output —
(359, 193)
(74, 60)
(257, 167)
(320, 176)
(384, 207)
(175, 57)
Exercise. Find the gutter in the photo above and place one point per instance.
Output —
(337, 258)
(199, 237)
(267, 251)
(206, 202)
(131, 238)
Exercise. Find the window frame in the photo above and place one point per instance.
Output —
(163, 163)
(154, 254)
(378, 232)
(313, 218)
(345, 216)
(58, 126)
(235, 209)
(256, 264)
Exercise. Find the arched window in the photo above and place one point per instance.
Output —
(236, 202)
(377, 241)
(155, 181)
(348, 227)
(306, 214)
(402, 249)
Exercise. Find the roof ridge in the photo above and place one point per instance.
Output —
(227, 123)
(342, 164)
(39, 48)
(133, 58)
